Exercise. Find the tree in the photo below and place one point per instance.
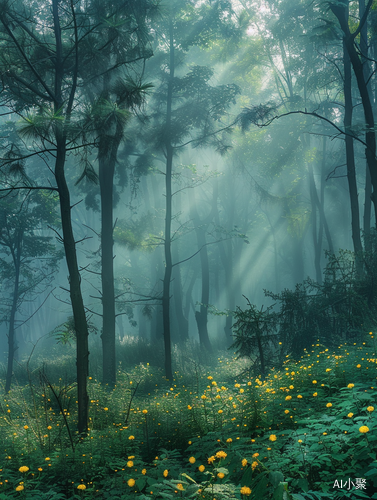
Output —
(112, 96)
(40, 65)
(21, 243)
(193, 108)
(340, 10)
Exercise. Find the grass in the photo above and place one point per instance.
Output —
(307, 431)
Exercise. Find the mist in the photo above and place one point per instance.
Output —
(183, 181)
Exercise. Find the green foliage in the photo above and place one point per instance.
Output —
(255, 335)
(149, 436)
(333, 311)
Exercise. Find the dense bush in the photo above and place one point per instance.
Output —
(337, 310)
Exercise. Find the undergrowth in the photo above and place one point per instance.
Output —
(306, 431)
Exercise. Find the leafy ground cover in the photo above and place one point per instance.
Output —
(307, 431)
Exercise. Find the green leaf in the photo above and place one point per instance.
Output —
(276, 477)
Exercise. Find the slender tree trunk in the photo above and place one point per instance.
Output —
(168, 217)
(226, 256)
(190, 288)
(368, 186)
(201, 316)
(107, 156)
(106, 176)
(317, 247)
(341, 13)
(350, 159)
(182, 321)
(16, 256)
(323, 225)
(178, 302)
(81, 326)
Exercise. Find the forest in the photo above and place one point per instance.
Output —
(188, 249)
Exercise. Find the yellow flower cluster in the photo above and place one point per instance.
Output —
(245, 490)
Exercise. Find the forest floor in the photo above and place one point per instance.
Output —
(307, 431)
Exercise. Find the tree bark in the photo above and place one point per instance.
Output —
(182, 321)
(16, 256)
(340, 11)
(368, 185)
(316, 242)
(107, 155)
(350, 159)
(168, 215)
(201, 316)
(80, 321)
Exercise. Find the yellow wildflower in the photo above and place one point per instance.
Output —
(364, 429)
(245, 490)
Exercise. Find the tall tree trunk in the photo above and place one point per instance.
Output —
(16, 256)
(201, 316)
(316, 242)
(350, 159)
(80, 321)
(168, 215)
(81, 326)
(341, 12)
(182, 321)
(188, 298)
(107, 156)
(323, 225)
(368, 185)
(226, 257)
